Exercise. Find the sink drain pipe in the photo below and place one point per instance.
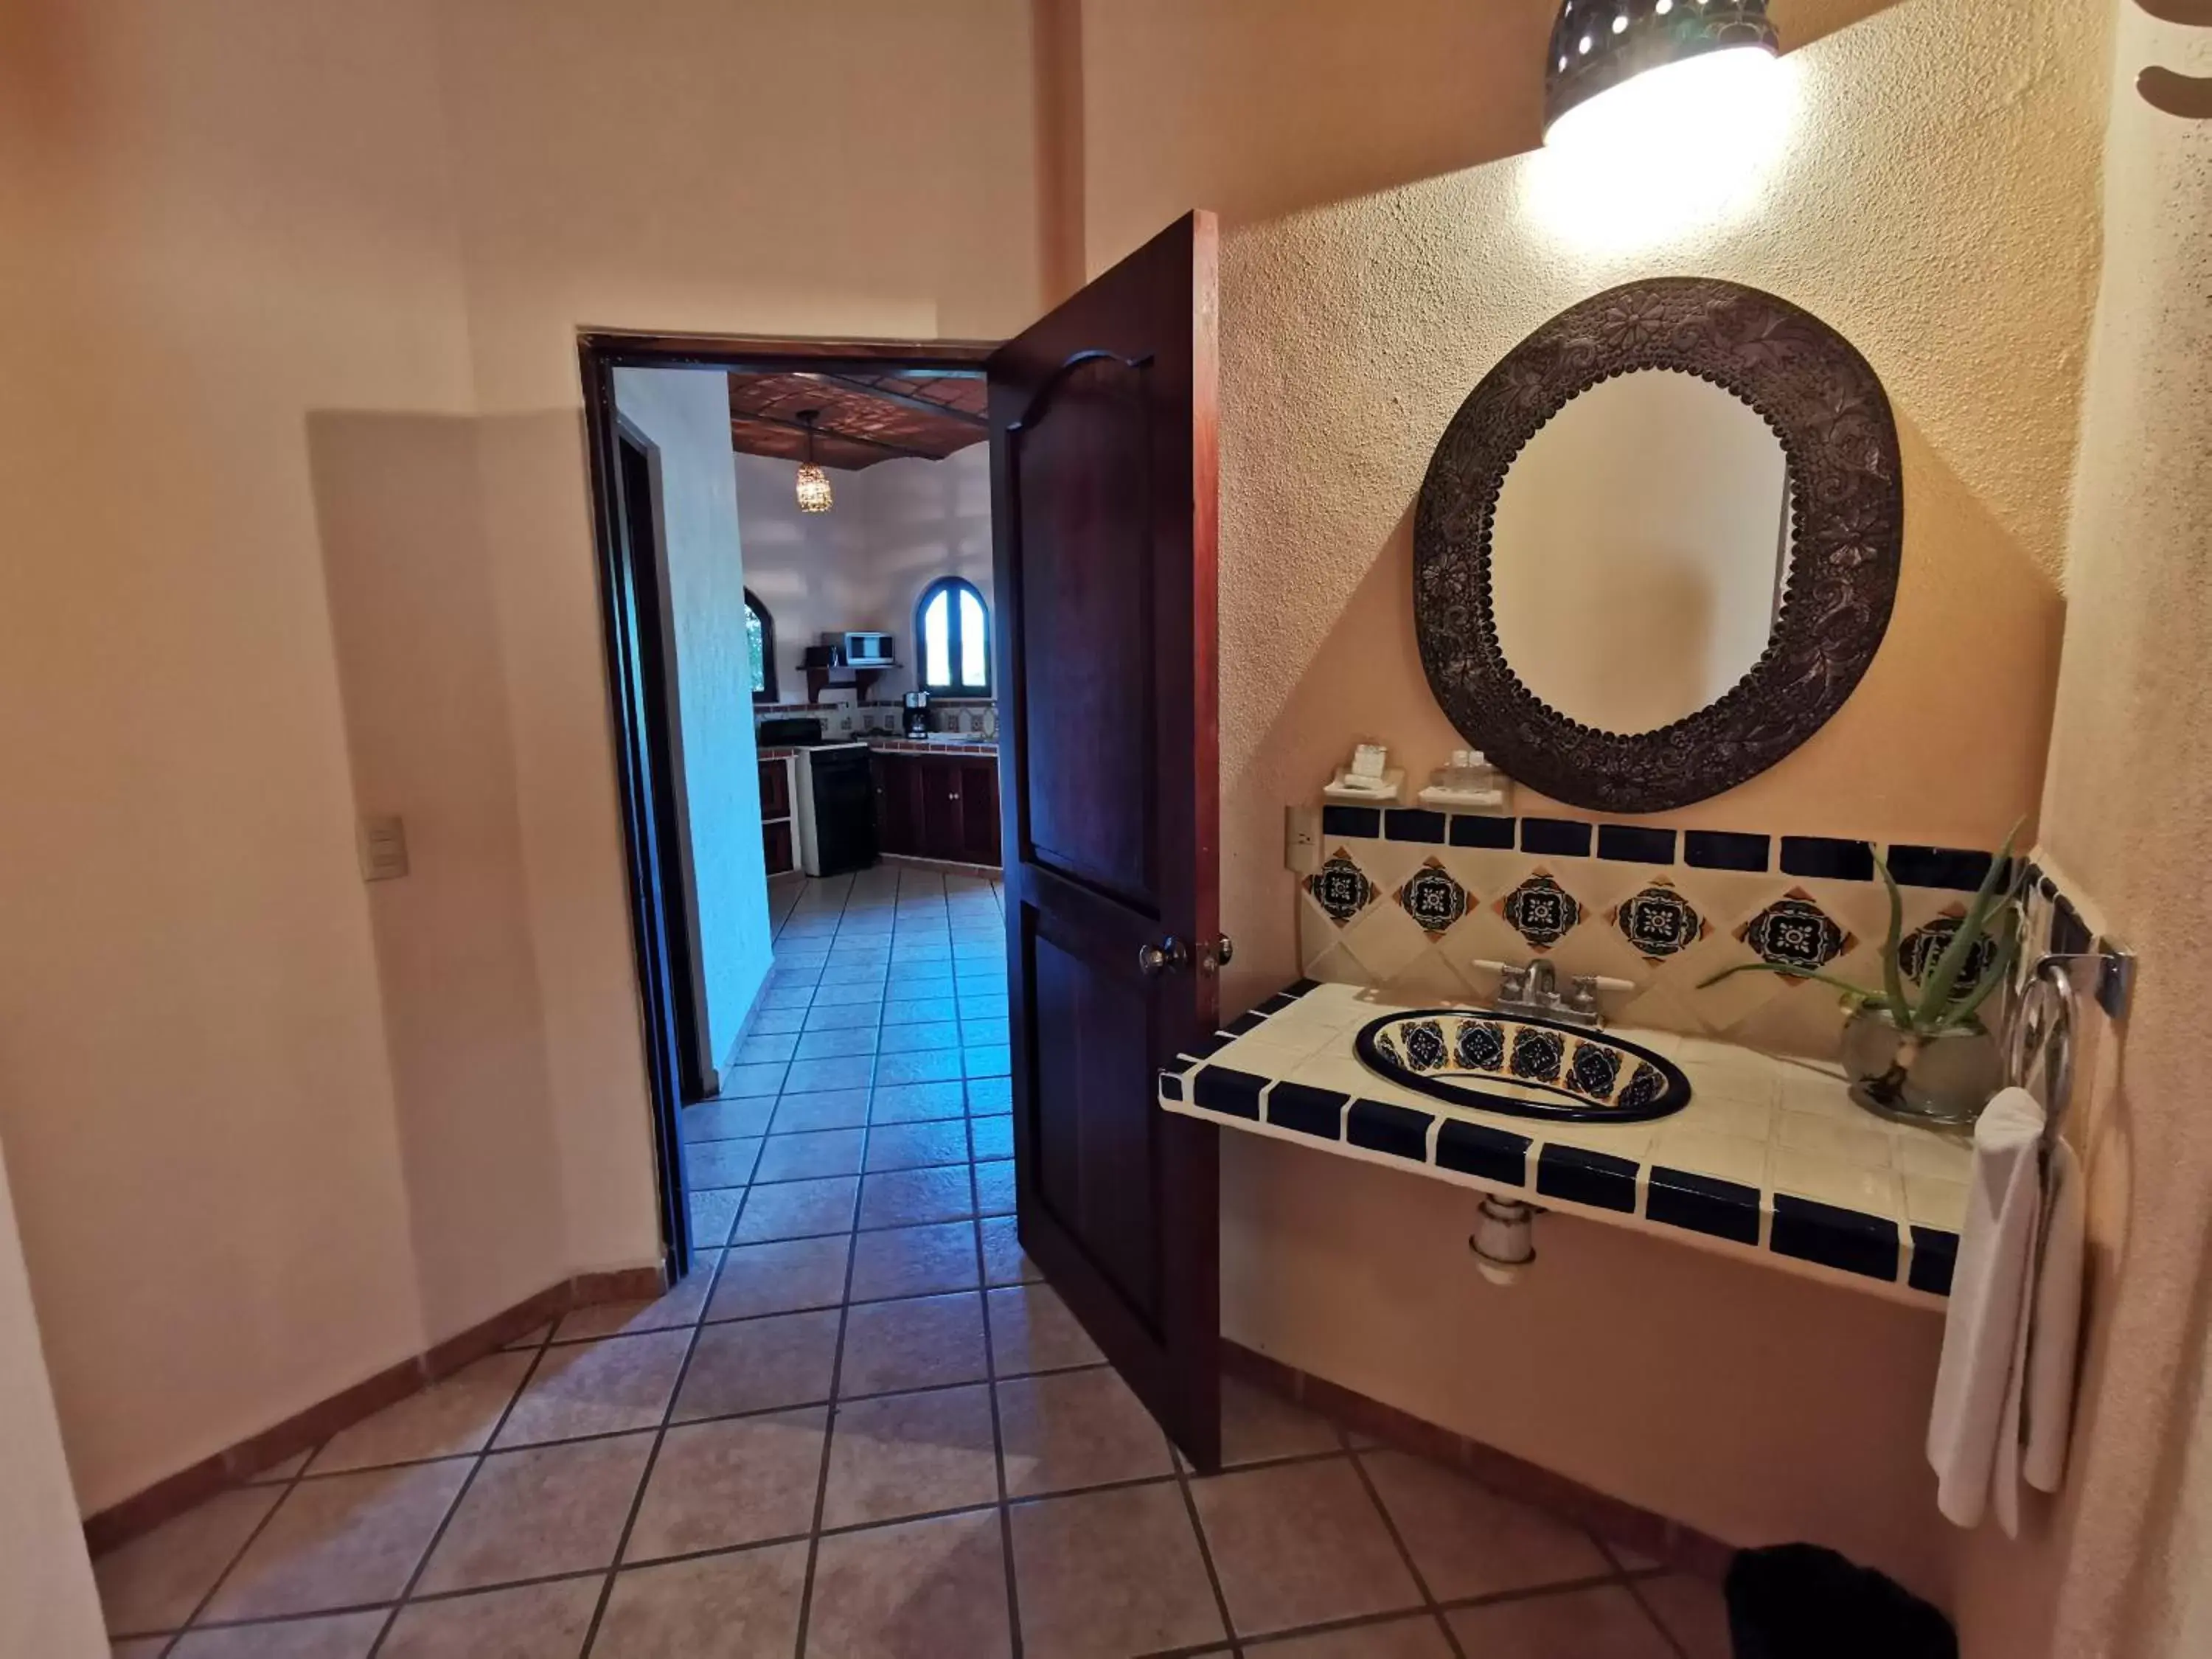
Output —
(1504, 1241)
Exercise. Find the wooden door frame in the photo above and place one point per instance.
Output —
(599, 354)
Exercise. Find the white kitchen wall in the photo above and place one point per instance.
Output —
(895, 528)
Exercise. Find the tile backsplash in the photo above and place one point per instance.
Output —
(977, 718)
(1411, 900)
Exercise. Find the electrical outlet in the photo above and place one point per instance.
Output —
(1302, 839)
(383, 846)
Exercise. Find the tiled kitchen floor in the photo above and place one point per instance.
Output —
(861, 1429)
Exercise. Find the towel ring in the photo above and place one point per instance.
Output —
(2039, 1038)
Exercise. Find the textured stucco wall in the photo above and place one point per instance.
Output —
(686, 414)
(1945, 223)
(2124, 1564)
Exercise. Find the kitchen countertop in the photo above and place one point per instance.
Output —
(1770, 1161)
(889, 744)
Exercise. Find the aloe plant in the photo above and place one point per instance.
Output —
(1945, 1000)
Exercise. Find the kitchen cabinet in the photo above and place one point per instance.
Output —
(943, 807)
(777, 847)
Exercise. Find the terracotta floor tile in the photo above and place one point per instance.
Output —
(725, 1120)
(1032, 1330)
(760, 1364)
(917, 1145)
(919, 1066)
(1694, 1611)
(894, 1346)
(1258, 1426)
(1069, 1428)
(995, 1188)
(1468, 1540)
(346, 1541)
(917, 1102)
(782, 1277)
(796, 1209)
(596, 1387)
(905, 1037)
(836, 1042)
(539, 1512)
(719, 1164)
(1420, 1637)
(671, 1310)
(446, 1419)
(1300, 1544)
(912, 1198)
(1604, 1622)
(901, 1262)
(276, 1474)
(809, 1156)
(920, 1589)
(910, 1454)
(991, 1137)
(740, 1606)
(532, 1621)
(341, 1636)
(154, 1582)
(716, 1485)
(1004, 1262)
(711, 1214)
(837, 1109)
(1108, 1574)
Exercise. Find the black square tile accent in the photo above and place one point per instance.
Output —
(1298, 987)
(1720, 1209)
(1560, 837)
(1413, 823)
(1201, 1047)
(1634, 844)
(1477, 1150)
(1597, 1179)
(1481, 830)
(1308, 1110)
(1725, 849)
(1276, 1004)
(1171, 1085)
(1935, 1254)
(1827, 859)
(1220, 1089)
(1938, 866)
(1244, 1023)
(1359, 823)
(1398, 1130)
(2070, 934)
(1850, 1240)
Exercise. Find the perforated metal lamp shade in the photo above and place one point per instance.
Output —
(812, 485)
(1598, 44)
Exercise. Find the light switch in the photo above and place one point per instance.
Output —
(383, 842)
(1302, 839)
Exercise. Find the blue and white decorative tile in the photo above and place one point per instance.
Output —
(1341, 888)
(1920, 948)
(1794, 932)
(1658, 922)
(1542, 911)
(1433, 898)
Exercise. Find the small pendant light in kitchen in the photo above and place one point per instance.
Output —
(1628, 72)
(813, 486)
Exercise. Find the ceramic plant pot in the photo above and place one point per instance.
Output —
(1945, 1079)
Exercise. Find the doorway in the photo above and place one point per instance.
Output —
(970, 1059)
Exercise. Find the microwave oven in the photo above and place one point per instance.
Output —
(866, 650)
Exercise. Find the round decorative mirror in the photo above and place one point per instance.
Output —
(1658, 545)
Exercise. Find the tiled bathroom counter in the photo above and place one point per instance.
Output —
(1770, 1161)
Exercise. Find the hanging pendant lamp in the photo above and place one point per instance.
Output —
(1644, 60)
(813, 485)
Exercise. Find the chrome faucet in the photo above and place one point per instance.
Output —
(1533, 988)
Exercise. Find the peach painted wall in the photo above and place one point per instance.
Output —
(47, 1602)
(1352, 329)
(271, 1130)
(2122, 1563)
(223, 222)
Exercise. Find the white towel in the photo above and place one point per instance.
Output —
(1984, 1330)
(2055, 1342)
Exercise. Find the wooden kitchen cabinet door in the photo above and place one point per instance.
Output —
(941, 819)
(898, 817)
(775, 789)
(979, 811)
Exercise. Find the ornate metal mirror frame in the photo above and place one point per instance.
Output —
(1847, 513)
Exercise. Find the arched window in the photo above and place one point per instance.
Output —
(760, 647)
(955, 631)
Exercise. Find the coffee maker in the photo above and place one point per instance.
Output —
(917, 715)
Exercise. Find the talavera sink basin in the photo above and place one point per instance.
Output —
(1522, 1067)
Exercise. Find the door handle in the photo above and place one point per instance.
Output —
(1153, 960)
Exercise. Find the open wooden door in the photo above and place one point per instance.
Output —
(1103, 513)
